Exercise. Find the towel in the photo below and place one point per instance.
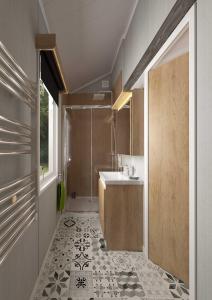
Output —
(61, 196)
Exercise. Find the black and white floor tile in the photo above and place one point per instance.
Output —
(79, 267)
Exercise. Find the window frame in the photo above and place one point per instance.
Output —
(51, 175)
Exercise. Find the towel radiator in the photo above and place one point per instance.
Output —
(17, 211)
(17, 197)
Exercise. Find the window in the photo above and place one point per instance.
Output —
(48, 135)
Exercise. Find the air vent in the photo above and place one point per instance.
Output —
(105, 84)
(98, 97)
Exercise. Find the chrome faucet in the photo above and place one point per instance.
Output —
(133, 171)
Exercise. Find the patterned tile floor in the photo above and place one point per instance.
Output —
(78, 267)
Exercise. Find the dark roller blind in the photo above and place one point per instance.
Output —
(50, 74)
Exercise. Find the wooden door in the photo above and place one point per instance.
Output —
(169, 166)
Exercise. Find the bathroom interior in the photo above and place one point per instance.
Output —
(100, 178)
(105, 160)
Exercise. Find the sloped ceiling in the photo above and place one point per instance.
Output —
(88, 35)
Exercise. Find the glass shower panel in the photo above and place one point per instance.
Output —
(101, 145)
(91, 142)
(80, 166)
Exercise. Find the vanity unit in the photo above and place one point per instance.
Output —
(121, 211)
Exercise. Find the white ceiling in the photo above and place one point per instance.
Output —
(88, 35)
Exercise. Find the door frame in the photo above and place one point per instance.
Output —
(188, 22)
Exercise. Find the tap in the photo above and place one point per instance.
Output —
(133, 170)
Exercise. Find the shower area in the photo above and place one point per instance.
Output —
(90, 147)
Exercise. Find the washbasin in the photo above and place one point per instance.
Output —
(113, 178)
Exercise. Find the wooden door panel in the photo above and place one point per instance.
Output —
(169, 166)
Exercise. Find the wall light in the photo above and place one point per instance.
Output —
(122, 100)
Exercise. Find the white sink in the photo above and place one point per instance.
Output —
(114, 178)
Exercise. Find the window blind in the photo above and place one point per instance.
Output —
(50, 75)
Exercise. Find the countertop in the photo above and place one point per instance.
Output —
(118, 178)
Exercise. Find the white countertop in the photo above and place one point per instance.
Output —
(118, 178)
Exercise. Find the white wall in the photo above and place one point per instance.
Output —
(18, 26)
(204, 150)
(47, 214)
(48, 218)
(132, 161)
(96, 85)
(20, 21)
(148, 18)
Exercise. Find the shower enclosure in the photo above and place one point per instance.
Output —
(91, 148)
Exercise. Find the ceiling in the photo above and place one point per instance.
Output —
(88, 35)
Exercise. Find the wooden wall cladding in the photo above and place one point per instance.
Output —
(137, 122)
(179, 10)
(45, 41)
(80, 166)
(101, 144)
(122, 124)
(169, 167)
(85, 99)
(90, 150)
(123, 131)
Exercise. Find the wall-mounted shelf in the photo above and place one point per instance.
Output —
(47, 44)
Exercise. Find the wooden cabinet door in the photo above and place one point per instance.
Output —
(123, 131)
(124, 217)
(169, 166)
(137, 122)
(80, 166)
(101, 205)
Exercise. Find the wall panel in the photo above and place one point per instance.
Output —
(169, 166)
